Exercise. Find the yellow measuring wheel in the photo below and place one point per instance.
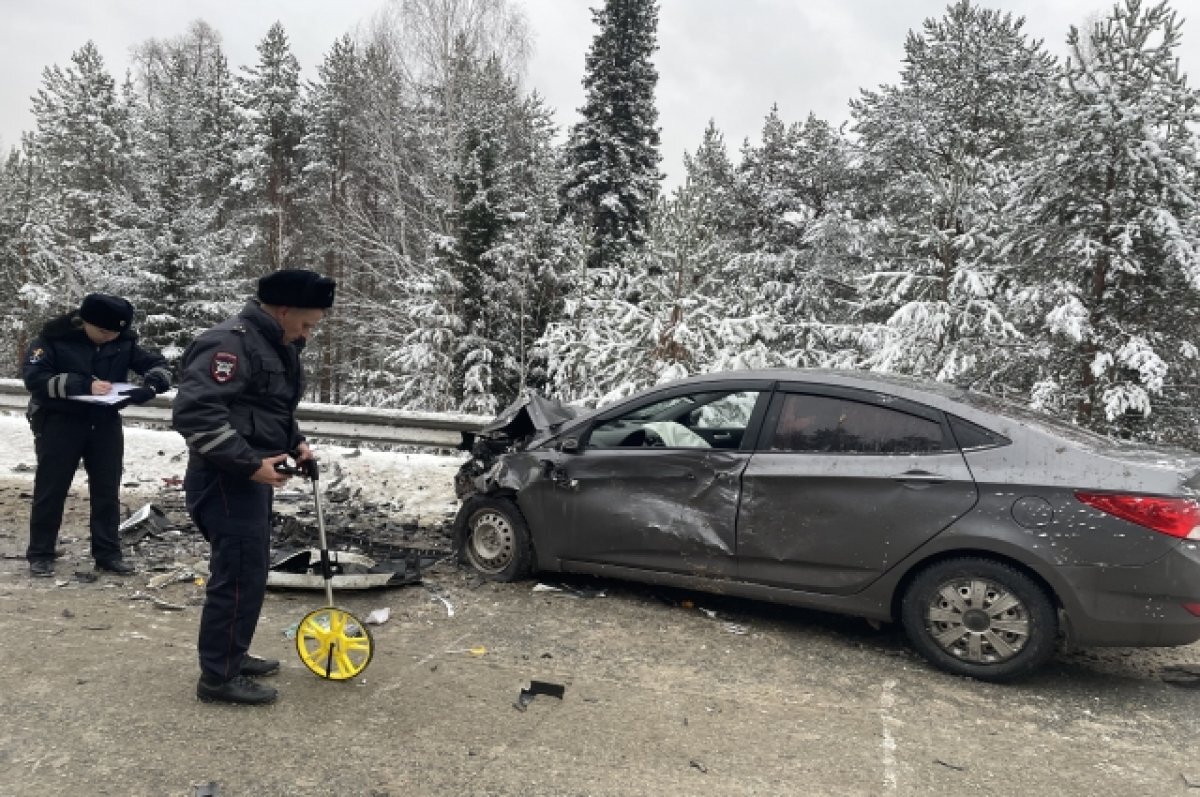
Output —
(332, 642)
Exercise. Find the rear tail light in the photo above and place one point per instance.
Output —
(1177, 517)
(1194, 608)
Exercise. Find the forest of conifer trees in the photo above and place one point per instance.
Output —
(996, 216)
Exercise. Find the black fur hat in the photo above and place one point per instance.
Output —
(297, 287)
(107, 312)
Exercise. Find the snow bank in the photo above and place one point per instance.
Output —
(416, 487)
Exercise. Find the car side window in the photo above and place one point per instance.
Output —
(729, 412)
(810, 423)
(699, 420)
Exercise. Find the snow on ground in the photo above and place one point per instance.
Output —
(418, 487)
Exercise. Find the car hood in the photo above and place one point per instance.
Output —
(530, 419)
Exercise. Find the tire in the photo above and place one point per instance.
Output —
(1012, 632)
(493, 538)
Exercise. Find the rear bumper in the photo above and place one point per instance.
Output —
(1135, 606)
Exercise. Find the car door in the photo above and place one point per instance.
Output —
(844, 484)
(645, 489)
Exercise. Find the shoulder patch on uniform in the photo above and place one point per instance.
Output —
(36, 355)
(223, 366)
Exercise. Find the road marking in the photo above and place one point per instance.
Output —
(887, 699)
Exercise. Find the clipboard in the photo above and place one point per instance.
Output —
(111, 397)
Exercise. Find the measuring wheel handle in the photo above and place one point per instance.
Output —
(308, 469)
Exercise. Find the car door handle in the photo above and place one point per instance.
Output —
(920, 477)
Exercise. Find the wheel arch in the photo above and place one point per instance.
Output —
(917, 567)
(472, 502)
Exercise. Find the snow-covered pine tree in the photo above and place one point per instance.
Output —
(177, 235)
(1112, 242)
(270, 128)
(746, 269)
(694, 241)
(22, 277)
(599, 349)
(537, 252)
(378, 226)
(508, 280)
(940, 150)
(78, 153)
(655, 315)
(486, 102)
(335, 155)
(795, 249)
(402, 234)
(613, 155)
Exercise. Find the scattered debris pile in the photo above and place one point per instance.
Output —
(363, 537)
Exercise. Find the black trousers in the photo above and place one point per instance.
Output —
(61, 440)
(234, 515)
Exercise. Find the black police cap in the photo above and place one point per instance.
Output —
(106, 311)
(297, 287)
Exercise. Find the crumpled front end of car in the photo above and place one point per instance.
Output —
(526, 422)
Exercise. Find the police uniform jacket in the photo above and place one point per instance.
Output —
(62, 362)
(238, 390)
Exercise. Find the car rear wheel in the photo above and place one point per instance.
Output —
(494, 539)
(980, 618)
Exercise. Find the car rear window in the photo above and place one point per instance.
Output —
(811, 423)
(973, 436)
(1045, 422)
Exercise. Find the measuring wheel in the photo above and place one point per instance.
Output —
(331, 642)
(334, 644)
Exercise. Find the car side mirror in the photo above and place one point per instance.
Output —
(569, 445)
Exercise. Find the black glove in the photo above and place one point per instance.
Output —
(310, 468)
(138, 395)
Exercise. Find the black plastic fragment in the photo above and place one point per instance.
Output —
(536, 688)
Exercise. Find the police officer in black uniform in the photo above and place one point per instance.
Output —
(239, 386)
(82, 354)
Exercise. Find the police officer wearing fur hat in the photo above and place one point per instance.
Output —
(77, 355)
(239, 386)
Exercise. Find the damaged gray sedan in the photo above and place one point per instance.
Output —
(989, 532)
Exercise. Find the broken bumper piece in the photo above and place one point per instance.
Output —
(302, 570)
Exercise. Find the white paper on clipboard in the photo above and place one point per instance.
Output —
(111, 397)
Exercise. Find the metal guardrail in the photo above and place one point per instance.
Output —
(328, 421)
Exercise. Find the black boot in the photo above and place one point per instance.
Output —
(118, 566)
(256, 667)
(41, 568)
(238, 689)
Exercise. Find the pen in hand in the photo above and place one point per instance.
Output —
(100, 387)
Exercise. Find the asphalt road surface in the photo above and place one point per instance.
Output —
(664, 693)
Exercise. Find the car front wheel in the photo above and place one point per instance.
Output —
(980, 618)
(494, 539)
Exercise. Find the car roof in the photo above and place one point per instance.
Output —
(926, 391)
(981, 408)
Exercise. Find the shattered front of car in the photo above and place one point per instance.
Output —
(528, 421)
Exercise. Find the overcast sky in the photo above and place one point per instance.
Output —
(728, 60)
